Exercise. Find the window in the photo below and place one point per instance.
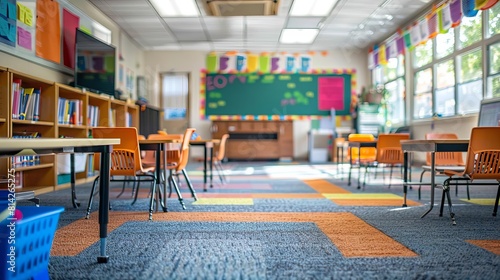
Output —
(395, 101)
(470, 81)
(470, 30)
(422, 101)
(423, 54)
(494, 71)
(175, 95)
(494, 20)
(445, 43)
(445, 88)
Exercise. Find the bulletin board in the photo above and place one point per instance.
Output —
(276, 96)
(43, 31)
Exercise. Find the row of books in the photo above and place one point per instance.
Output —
(20, 161)
(93, 115)
(25, 102)
(70, 111)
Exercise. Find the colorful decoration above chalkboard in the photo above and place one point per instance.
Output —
(236, 62)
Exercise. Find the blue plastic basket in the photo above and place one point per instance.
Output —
(33, 237)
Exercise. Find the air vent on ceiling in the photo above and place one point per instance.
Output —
(243, 7)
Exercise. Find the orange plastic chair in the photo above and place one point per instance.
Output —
(177, 161)
(443, 160)
(482, 163)
(360, 156)
(220, 154)
(125, 161)
(389, 152)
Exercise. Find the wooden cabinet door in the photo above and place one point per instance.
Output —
(252, 149)
(219, 128)
(285, 139)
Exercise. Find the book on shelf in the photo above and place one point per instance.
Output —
(21, 161)
(69, 111)
(93, 115)
(25, 102)
(16, 98)
(18, 179)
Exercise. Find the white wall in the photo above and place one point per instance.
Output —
(193, 62)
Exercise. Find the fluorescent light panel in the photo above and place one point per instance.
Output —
(298, 36)
(312, 7)
(176, 8)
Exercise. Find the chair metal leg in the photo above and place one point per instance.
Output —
(495, 208)
(152, 198)
(176, 187)
(193, 192)
(450, 207)
(91, 198)
(136, 190)
(420, 186)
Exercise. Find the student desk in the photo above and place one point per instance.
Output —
(431, 146)
(208, 144)
(13, 147)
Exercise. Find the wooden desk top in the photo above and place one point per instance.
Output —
(12, 145)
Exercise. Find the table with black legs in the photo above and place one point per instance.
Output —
(10, 147)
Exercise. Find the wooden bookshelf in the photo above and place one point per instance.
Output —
(43, 176)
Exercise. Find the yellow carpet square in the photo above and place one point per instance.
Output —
(362, 196)
(224, 201)
(480, 201)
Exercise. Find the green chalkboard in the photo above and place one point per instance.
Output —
(277, 94)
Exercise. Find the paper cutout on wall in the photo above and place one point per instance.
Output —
(331, 93)
(70, 24)
(24, 38)
(241, 62)
(290, 64)
(305, 64)
(211, 63)
(48, 30)
(456, 12)
(25, 14)
(444, 18)
(8, 25)
(224, 63)
(264, 63)
(252, 63)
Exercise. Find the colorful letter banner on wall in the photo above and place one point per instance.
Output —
(235, 62)
(439, 20)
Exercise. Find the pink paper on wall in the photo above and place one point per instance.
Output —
(24, 38)
(70, 24)
(331, 93)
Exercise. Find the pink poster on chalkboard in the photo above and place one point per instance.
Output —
(331, 93)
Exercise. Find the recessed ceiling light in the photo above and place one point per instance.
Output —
(312, 7)
(298, 36)
(175, 8)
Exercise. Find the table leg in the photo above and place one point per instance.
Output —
(74, 200)
(433, 175)
(359, 166)
(104, 202)
(205, 168)
(405, 177)
(350, 167)
(211, 165)
(165, 179)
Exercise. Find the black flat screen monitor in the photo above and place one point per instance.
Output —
(95, 64)
(489, 112)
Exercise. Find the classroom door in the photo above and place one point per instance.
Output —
(175, 102)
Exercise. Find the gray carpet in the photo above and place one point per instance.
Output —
(285, 250)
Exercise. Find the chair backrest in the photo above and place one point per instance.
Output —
(180, 155)
(444, 158)
(483, 155)
(222, 148)
(125, 159)
(389, 147)
(367, 154)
